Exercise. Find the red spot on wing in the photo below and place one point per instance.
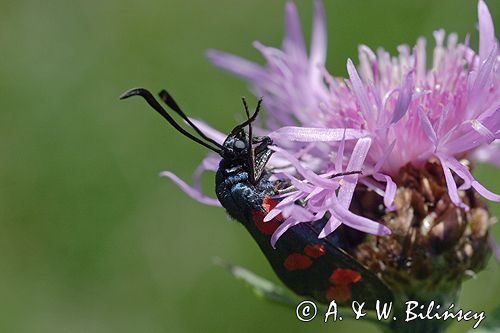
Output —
(269, 227)
(314, 250)
(344, 277)
(268, 203)
(297, 261)
(339, 293)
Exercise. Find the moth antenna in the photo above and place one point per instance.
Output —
(249, 120)
(158, 108)
(169, 100)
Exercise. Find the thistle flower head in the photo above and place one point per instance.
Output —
(392, 111)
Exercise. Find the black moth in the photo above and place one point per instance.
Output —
(312, 267)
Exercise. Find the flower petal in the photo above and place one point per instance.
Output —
(384, 157)
(339, 159)
(404, 99)
(356, 162)
(452, 186)
(209, 131)
(360, 92)
(272, 214)
(330, 226)
(483, 130)
(486, 30)
(236, 65)
(480, 85)
(209, 163)
(358, 222)
(469, 180)
(310, 134)
(318, 39)
(192, 192)
(287, 224)
(390, 190)
(485, 192)
(307, 174)
(427, 127)
(293, 43)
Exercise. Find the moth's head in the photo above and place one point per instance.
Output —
(235, 147)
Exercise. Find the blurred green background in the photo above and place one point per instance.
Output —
(91, 239)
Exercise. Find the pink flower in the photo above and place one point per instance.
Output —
(391, 111)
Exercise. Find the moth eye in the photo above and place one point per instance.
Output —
(239, 144)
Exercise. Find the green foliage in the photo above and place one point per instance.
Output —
(260, 286)
(491, 324)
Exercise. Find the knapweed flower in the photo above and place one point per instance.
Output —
(392, 112)
(413, 127)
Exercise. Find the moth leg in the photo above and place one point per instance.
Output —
(346, 173)
(263, 154)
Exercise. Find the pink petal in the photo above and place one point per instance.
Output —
(209, 163)
(309, 134)
(209, 131)
(427, 127)
(452, 186)
(372, 185)
(442, 118)
(465, 174)
(368, 64)
(307, 174)
(339, 159)
(315, 192)
(483, 130)
(382, 160)
(272, 214)
(318, 39)
(462, 172)
(486, 30)
(420, 60)
(282, 229)
(192, 192)
(485, 192)
(480, 85)
(404, 99)
(330, 226)
(356, 162)
(236, 65)
(288, 200)
(358, 222)
(294, 42)
(360, 92)
(390, 190)
(302, 214)
(301, 185)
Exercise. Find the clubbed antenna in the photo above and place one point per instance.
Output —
(158, 108)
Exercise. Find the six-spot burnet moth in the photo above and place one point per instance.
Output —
(308, 265)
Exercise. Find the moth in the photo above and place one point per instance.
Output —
(309, 266)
